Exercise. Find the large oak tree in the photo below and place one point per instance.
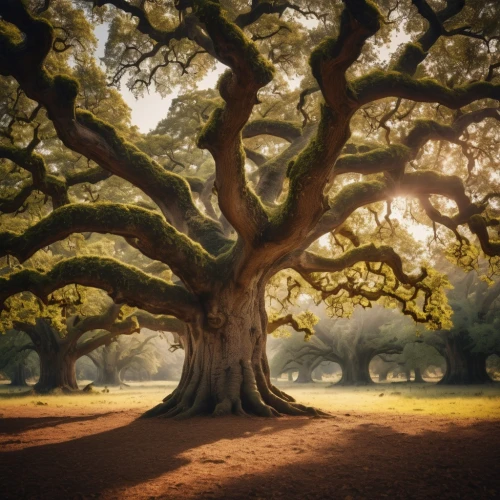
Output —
(265, 222)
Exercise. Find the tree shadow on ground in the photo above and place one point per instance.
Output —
(375, 461)
(16, 425)
(122, 457)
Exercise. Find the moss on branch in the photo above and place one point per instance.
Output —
(374, 161)
(232, 46)
(413, 54)
(287, 130)
(152, 235)
(124, 284)
(379, 84)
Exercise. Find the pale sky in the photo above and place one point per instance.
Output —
(148, 110)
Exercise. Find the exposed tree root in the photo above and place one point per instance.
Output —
(246, 392)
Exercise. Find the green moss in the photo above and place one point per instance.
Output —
(365, 12)
(423, 130)
(326, 50)
(208, 136)
(376, 159)
(224, 32)
(377, 82)
(413, 54)
(11, 38)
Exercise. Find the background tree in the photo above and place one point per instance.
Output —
(17, 360)
(269, 226)
(112, 359)
(354, 342)
(475, 332)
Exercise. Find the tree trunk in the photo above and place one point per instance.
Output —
(18, 378)
(57, 371)
(384, 373)
(463, 367)
(355, 370)
(418, 376)
(290, 376)
(225, 366)
(108, 375)
(305, 373)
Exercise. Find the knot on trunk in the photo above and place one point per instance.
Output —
(216, 319)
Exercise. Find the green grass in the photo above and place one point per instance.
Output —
(481, 402)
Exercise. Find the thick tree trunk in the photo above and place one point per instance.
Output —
(107, 375)
(18, 378)
(290, 376)
(225, 366)
(384, 372)
(57, 371)
(463, 367)
(355, 370)
(305, 373)
(418, 376)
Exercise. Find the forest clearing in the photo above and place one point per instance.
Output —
(414, 442)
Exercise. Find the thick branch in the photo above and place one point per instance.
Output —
(124, 284)
(150, 234)
(249, 71)
(310, 262)
(87, 135)
(312, 169)
(379, 85)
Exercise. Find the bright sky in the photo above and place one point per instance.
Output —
(148, 110)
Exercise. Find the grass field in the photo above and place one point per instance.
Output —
(481, 402)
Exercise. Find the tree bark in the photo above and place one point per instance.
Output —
(305, 373)
(18, 378)
(57, 371)
(463, 367)
(418, 376)
(57, 359)
(225, 366)
(107, 375)
(355, 370)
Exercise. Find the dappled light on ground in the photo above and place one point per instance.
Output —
(87, 446)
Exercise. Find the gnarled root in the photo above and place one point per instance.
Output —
(240, 389)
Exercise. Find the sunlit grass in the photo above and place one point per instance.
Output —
(482, 402)
(424, 399)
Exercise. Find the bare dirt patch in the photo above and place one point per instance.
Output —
(85, 447)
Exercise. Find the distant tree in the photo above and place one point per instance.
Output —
(382, 365)
(59, 351)
(476, 329)
(119, 354)
(17, 361)
(417, 357)
(352, 343)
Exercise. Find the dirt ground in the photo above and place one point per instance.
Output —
(387, 441)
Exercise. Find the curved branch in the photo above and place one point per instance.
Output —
(287, 130)
(82, 132)
(381, 84)
(249, 71)
(124, 284)
(289, 319)
(150, 234)
(310, 262)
